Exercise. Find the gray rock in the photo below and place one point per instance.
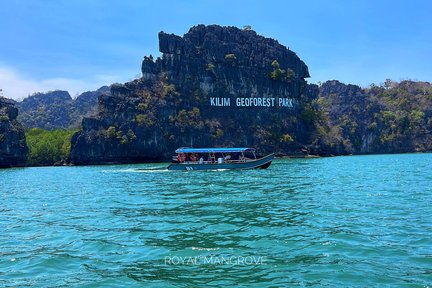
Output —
(13, 147)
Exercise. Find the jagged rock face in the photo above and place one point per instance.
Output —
(13, 147)
(226, 60)
(348, 119)
(375, 120)
(57, 109)
(174, 105)
(86, 102)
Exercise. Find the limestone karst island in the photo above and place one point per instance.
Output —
(216, 87)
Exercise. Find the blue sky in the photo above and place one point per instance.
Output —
(80, 45)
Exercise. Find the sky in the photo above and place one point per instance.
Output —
(81, 45)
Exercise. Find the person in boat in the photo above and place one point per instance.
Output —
(193, 157)
(242, 158)
(201, 160)
(181, 157)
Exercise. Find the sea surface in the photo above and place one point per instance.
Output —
(355, 221)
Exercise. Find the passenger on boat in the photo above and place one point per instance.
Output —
(181, 157)
(201, 160)
(193, 157)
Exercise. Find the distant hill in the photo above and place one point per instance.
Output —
(57, 109)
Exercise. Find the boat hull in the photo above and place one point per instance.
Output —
(261, 163)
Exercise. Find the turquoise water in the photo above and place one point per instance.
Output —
(344, 221)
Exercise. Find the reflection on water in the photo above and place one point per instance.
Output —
(333, 221)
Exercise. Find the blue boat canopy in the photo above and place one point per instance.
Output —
(214, 150)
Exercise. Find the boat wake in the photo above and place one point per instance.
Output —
(139, 170)
(150, 169)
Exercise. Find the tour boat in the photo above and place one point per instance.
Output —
(189, 159)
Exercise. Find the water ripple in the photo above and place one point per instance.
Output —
(344, 221)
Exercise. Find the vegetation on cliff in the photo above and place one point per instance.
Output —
(391, 118)
(57, 109)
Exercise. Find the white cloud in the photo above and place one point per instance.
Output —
(17, 87)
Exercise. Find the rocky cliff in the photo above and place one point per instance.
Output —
(215, 86)
(57, 109)
(13, 147)
(391, 118)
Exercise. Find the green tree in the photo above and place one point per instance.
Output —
(144, 120)
(286, 138)
(188, 119)
(48, 146)
(219, 133)
(416, 118)
(210, 67)
(230, 57)
(142, 106)
(388, 83)
(277, 72)
(111, 132)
